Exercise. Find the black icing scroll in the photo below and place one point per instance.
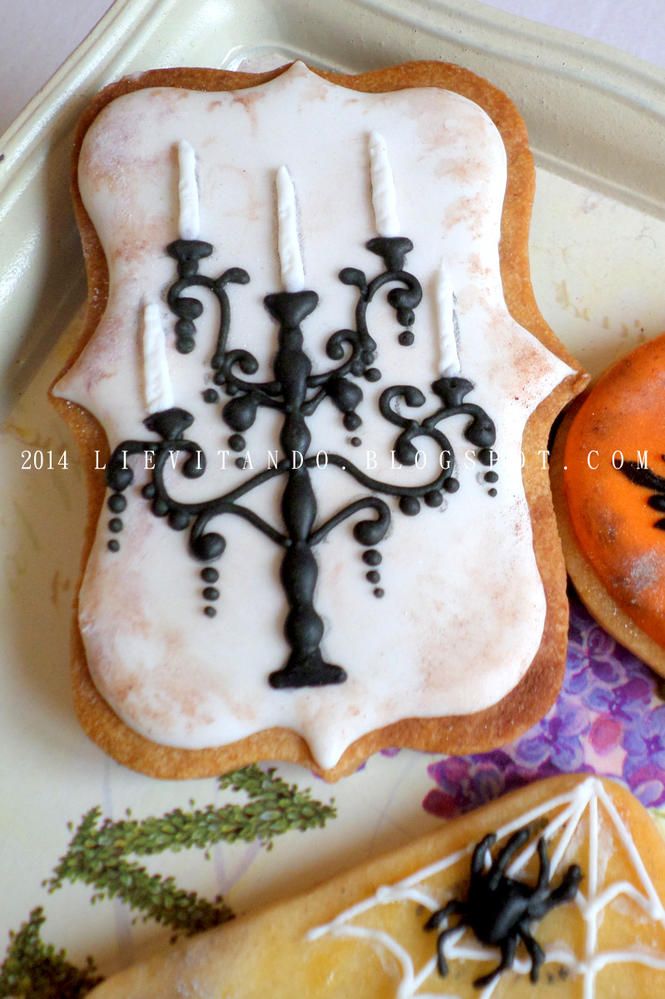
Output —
(295, 390)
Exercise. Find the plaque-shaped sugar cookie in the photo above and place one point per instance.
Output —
(314, 353)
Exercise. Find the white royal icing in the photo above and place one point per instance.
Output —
(587, 797)
(288, 243)
(156, 377)
(384, 196)
(449, 636)
(449, 363)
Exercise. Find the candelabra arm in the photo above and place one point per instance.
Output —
(411, 395)
(367, 532)
(480, 430)
(218, 508)
(249, 366)
(220, 503)
(335, 350)
(387, 488)
(313, 402)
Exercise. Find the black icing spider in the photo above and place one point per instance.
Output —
(499, 909)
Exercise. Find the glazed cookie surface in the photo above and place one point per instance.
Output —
(566, 879)
(314, 351)
(609, 474)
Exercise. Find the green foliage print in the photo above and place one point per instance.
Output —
(36, 970)
(99, 855)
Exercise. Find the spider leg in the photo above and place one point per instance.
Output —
(535, 951)
(478, 859)
(540, 904)
(508, 948)
(453, 908)
(544, 872)
(567, 890)
(441, 963)
(516, 841)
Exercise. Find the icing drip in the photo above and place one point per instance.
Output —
(156, 379)
(290, 259)
(384, 197)
(188, 193)
(589, 796)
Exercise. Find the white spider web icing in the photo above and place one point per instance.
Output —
(587, 797)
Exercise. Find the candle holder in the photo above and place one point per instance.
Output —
(296, 391)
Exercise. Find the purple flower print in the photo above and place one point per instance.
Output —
(557, 739)
(592, 654)
(626, 701)
(609, 719)
(644, 766)
(467, 782)
(462, 782)
(605, 734)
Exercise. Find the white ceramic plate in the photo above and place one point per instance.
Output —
(596, 119)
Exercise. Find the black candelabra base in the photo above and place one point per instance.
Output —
(306, 671)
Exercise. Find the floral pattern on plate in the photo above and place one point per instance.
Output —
(609, 719)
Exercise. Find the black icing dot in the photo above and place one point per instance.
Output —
(352, 421)
(115, 525)
(372, 557)
(406, 338)
(179, 520)
(373, 576)
(451, 485)
(356, 441)
(185, 327)
(491, 477)
(491, 492)
(210, 593)
(185, 344)
(209, 611)
(160, 508)
(239, 462)
(378, 592)
(409, 505)
(372, 374)
(121, 478)
(209, 575)
(208, 546)
(487, 456)
(231, 389)
(113, 545)
(149, 491)
(116, 503)
(435, 498)
(358, 367)
(210, 395)
(237, 442)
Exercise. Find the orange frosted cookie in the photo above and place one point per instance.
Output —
(609, 480)
(554, 890)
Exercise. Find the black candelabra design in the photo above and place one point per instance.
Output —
(296, 391)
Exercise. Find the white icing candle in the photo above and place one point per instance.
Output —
(449, 362)
(288, 242)
(384, 198)
(157, 385)
(189, 222)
